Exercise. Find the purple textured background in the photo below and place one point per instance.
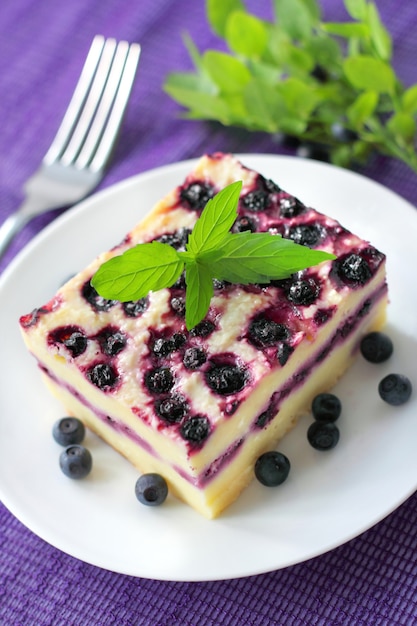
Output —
(370, 580)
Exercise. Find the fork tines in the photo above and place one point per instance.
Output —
(91, 123)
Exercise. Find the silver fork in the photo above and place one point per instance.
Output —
(80, 151)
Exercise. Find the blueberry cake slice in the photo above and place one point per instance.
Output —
(200, 406)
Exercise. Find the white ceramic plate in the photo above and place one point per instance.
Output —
(329, 497)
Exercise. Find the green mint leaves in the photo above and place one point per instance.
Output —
(212, 251)
(330, 84)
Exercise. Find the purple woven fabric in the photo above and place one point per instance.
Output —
(370, 580)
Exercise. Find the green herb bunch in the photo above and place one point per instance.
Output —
(212, 251)
(326, 83)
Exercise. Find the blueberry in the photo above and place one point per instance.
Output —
(97, 302)
(76, 461)
(352, 269)
(272, 468)
(307, 234)
(177, 240)
(135, 308)
(326, 407)
(171, 409)
(303, 292)
(376, 347)
(323, 435)
(313, 151)
(193, 358)
(264, 332)
(255, 201)
(178, 305)
(270, 185)
(343, 134)
(395, 389)
(68, 430)
(202, 329)
(195, 429)
(102, 375)
(163, 346)
(111, 340)
(151, 489)
(159, 380)
(196, 195)
(226, 379)
(72, 337)
(243, 224)
(291, 207)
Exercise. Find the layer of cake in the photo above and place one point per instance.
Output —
(221, 482)
(183, 400)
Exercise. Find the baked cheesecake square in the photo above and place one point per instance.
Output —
(199, 406)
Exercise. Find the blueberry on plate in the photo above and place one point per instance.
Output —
(376, 347)
(68, 431)
(151, 489)
(395, 389)
(76, 461)
(272, 468)
(326, 407)
(323, 435)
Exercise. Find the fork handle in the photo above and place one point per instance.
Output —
(13, 224)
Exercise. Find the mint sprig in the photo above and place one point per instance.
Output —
(331, 84)
(212, 251)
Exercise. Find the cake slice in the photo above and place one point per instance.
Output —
(200, 406)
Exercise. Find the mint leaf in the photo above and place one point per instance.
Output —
(218, 12)
(215, 220)
(260, 257)
(356, 8)
(366, 72)
(246, 34)
(199, 282)
(297, 17)
(133, 274)
(228, 73)
(362, 108)
(380, 37)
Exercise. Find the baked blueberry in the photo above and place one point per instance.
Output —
(303, 292)
(284, 352)
(202, 329)
(178, 305)
(72, 337)
(171, 409)
(76, 461)
(102, 375)
(265, 332)
(395, 389)
(307, 234)
(195, 429)
(326, 407)
(111, 340)
(352, 269)
(97, 302)
(177, 240)
(159, 380)
(226, 379)
(291, 207)
(196, 195)
(272, 468)
(135, 308)
(194, 357)
(376, 347)
(151, 489)
(68, 431)
(255, 201)
(244, 223)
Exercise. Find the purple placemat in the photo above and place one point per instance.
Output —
(370, 580)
